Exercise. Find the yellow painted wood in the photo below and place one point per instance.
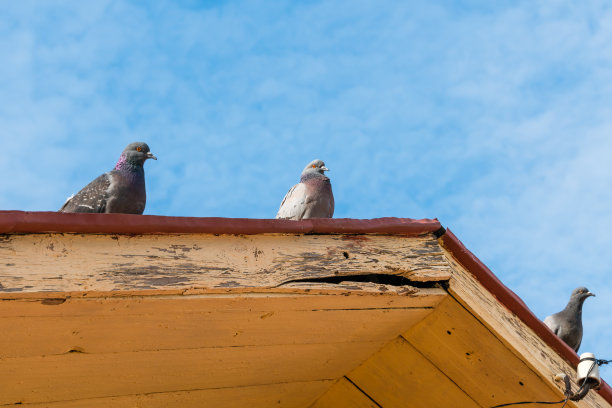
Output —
(475, 359)
(85, 262)
(399, 376)
(126, 345)
(81, 376)
(288, 289)
(512, 332)
(286, 395)
(142, 302)
(343, 394)
(159, 329)
(203, 320)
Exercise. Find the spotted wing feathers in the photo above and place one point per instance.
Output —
(91, 199)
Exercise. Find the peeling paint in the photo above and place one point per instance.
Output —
(120, 262)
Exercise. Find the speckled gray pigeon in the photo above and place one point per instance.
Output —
(121, 190)
(567, 324)
(312, 197)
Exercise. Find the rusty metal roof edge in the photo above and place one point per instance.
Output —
(513, 302)
(36, 222)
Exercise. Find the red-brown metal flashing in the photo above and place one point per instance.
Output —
(33, 222)
(509, 299)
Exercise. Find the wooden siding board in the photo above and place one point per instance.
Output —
(344, 394)
(81, 375)
(136, 302)
(285, 395)
(77, 262)
(158, 329)
(400, 376)
(140, 345)
(467, 352)
(515, 334)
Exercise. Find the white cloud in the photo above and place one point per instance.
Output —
(494, 118)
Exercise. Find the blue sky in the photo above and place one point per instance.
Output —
(494, 117)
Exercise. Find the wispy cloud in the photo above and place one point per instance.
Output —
(494, 117)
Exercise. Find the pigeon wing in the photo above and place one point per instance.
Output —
(578, 345)
(294, 204)
(552, 324)
(91, 199)
(563, 328)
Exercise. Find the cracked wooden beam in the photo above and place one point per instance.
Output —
(62, 262)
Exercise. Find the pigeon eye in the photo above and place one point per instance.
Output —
(139, 149)
(313, 166)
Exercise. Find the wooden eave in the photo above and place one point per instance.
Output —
(122, 310)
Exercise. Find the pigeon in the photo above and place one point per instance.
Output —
(567, 324)
(121, 190)
(312, 197)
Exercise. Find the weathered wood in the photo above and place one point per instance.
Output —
(515, 334)
(260, 300)
(399, 376)
(285, 395)
(467, 352)
(195, 319)
(78, 262)
(343, 394)
(355, 287)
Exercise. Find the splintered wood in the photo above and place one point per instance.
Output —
(516, 336)
(79, 262)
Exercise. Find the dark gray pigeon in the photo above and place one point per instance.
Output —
(567, 324)
(121, 190)
(312, 197)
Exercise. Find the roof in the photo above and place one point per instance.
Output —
(25, 222)
(513, 302)
(18, 222)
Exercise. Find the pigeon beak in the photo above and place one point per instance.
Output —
(590, 294)
(151, 156)
(324, 168)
